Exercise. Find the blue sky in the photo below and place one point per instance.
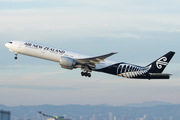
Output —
(140, 31)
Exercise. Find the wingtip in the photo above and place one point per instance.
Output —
(114, 52)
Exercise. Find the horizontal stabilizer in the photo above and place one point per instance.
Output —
(159, 76)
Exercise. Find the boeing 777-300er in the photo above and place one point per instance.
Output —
(71, 60)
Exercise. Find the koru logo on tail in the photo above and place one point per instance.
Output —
(161, 62)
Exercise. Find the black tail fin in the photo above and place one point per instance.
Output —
(159, 65)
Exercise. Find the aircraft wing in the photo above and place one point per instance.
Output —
(94, 60)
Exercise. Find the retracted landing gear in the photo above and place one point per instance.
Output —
(86, 74)
(15, 57)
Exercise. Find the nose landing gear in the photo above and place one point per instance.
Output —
(15, 57)
(86, 74)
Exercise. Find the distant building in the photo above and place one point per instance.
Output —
(58, 118)
(144, 118)
(123, 117)
(155, 118)
(114, 117)
(4, 115)
(110, 116)
(170, 117)
(94, 117)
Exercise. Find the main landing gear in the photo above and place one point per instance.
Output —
(86, 74)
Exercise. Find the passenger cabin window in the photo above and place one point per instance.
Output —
(10, 42)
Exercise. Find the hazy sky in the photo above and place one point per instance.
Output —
(140, 31)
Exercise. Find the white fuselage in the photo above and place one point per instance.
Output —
(48, 52)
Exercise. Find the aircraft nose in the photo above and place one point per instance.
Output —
(7, 45)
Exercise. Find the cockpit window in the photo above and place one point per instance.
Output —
(10, 42)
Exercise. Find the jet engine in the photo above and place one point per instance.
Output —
(67, 62)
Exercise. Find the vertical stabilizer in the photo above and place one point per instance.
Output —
(160, 64)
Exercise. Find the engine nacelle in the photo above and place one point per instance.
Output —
(67, 62)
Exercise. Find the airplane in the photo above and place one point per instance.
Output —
(71, 60)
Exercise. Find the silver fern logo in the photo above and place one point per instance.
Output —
(161, 62)
(130, 71)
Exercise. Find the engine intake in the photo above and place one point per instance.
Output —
(67, 62)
